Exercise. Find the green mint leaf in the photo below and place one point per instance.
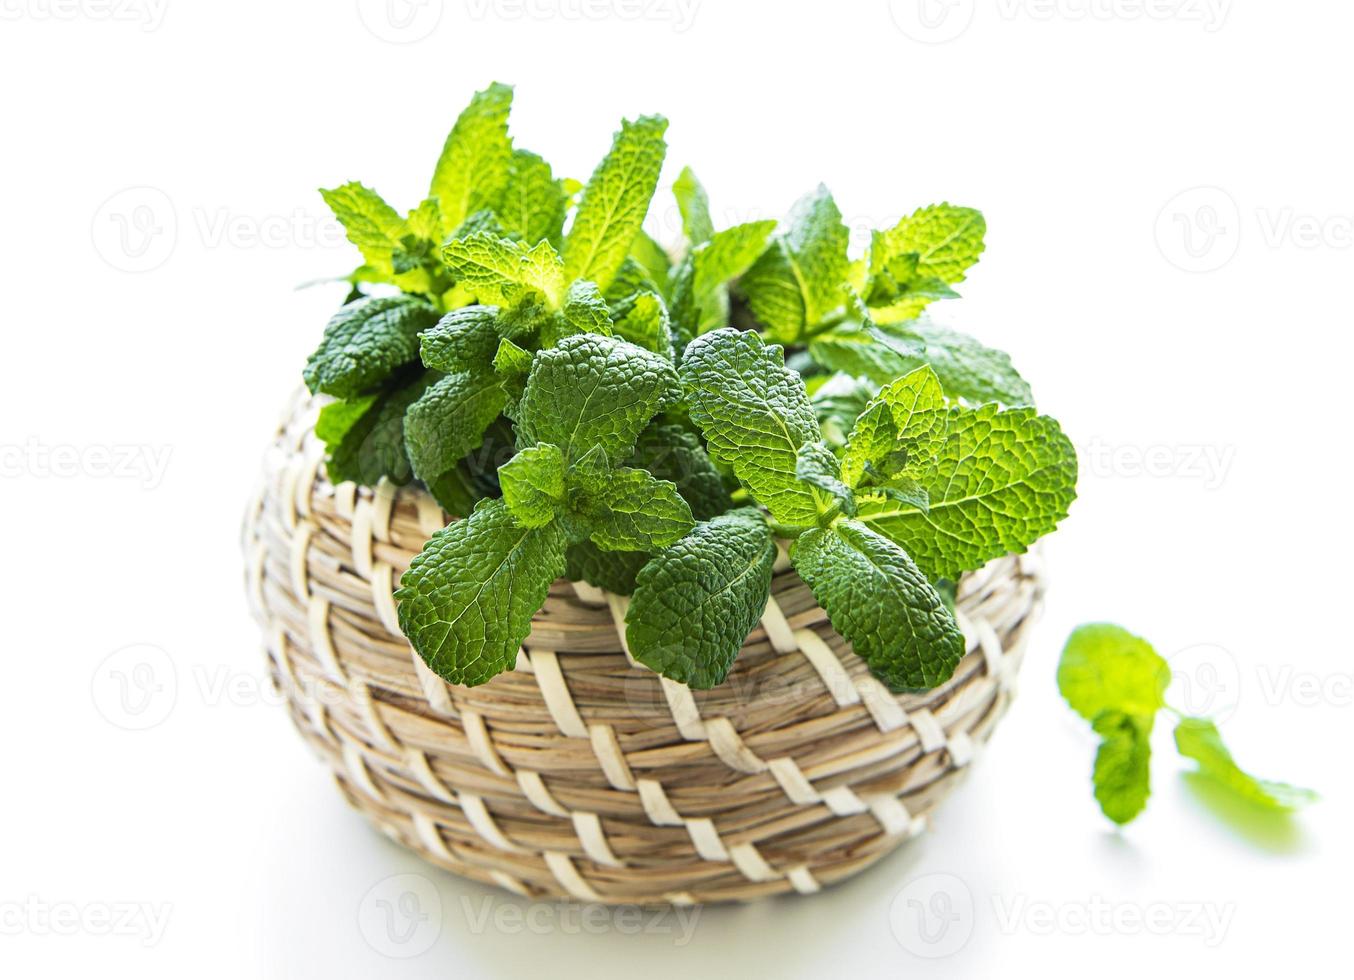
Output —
(903, 426)
(653, 261)
(614, 571)
(1106, 668)
(697, 600)
(965, 367)
(365, 439)
(818, 467)
(643, 320)
(615, 202)
(701, 290)
(593, 391)
(533, 484)
(467, 600)
(501, 271)
(472, 171)
(630, 278)
(672, 453)
(800, 279)
(625, 509)
(369, 222)
(534, 202)
(1198, 739)
(512, 364)
(838, 400)
(937, 242)
(365, 342)
(450, 419)
(877, 598)
(462, 340)
(694, 204)
(755, 414)
(1123, 763)
(1001, 481)
(584, 311)
(897, 490)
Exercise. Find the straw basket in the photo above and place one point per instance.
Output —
(581, 774)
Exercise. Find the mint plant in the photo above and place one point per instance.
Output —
(589, 405)
(1117, 682)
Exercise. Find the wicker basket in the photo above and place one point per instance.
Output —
(582, 774)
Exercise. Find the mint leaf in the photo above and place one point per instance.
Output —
(1002, 480)
(643, 320)
(697, 600)
(653, 260)
(915, 261)
(630, 278)
(1106, 668)
(463, 339)
(701, 292)
(625, 509)
(533, 484)
(370, 223)
(755, 414)
(615, 202)
(838, 400)
(365, 342)
(501, 271)
(877, 598)
(593, 391)
(584, 311)
(818, 467)
(614, 571)
(534, 202)
(365, 438)
(472, 171)
(1122, 772)
(694, 205)
(672, 453)
(449, 420)
(1198, 739)
(467, 600)
(800, 278)
(902, 427)
(965, 367)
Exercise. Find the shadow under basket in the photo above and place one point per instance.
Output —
(581, 774)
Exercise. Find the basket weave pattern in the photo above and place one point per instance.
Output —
(582, 774)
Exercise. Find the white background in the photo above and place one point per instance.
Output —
(1204, 378)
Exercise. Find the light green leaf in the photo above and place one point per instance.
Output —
(818, 467)
(584, 311)
(902, 428)
(534, 202)
(630, 279)
(463, 340)
(642, 319)
(1001, 481)
(696, 601)
(499, 270)
(943, 240)
(365, 342)
(878, 599)
(369, 222)
(672, 453)
(615, 202)
(694, 204)
(1106, 668)
(701, 291)
(755, 414)
(801, 278)
(467, 600)
(1198, 739)
(838, 400)
(533, 484)
(654, 260)
(472, 171)
(450, 419)
(1122, 773)
(593, 391)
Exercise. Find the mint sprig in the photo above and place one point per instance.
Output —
(1118, 683)
(591, 404)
